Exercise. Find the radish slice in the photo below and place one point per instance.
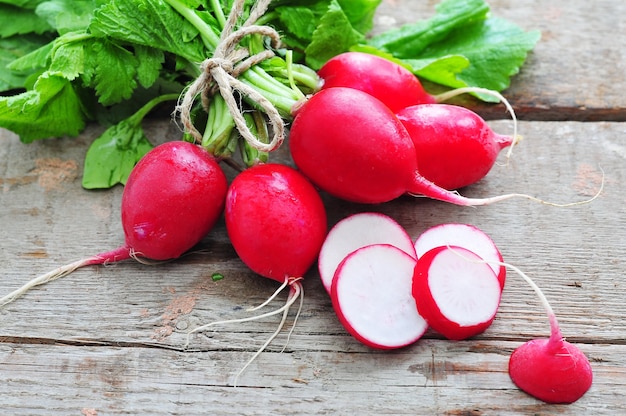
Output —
(456, 292)
(371, 295)
(463, 235)
(356, 231)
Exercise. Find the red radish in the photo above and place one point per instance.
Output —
(172, 199)
(352, 146)
(552, 370)
(276, 222)
(371, 295)
(391, 83)
(356, 231)
(456, 292)
(463, 235)
(454, 145)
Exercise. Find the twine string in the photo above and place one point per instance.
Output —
(221, 72)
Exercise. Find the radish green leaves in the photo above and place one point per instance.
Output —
(66, 63)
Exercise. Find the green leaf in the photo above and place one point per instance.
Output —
(411, 39)
(333, 35)
(26, 4)
(443, 70)
(11, 49)
(495, 48)
(461, 46)
(360, 13)
(110, 69)
(150, 23)
(150, 61)
(33, 59)
(112, 156)
(66, 15)
(18, 21)
(50, 109)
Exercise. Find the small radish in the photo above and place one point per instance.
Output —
(352, 146)
(371, 295)
(172, 199)
(393, 84)
(466, 236)
(454, 145)
(356, 231)
(552, 370)
(276, 222)
(458, 298)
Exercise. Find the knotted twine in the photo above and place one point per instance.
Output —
(221, 72)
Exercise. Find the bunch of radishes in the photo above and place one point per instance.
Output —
(371, 134)
(387, 290)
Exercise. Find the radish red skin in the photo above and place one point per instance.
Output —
(554, 371)
(394, 85)
(352, 146)
(172, 199)
(276, 220)
(429, 308)
(454, 145)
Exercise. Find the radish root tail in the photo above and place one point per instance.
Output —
(296, 291)
(45, 278)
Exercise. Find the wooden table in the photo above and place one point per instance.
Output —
(109, 340)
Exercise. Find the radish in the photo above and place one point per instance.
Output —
(463, 235)
(276, 222)
(454, 145)
(458, 298)
(352, 146)
(356, 231)
(552, 370)
(393, 84)
(371, 295)
(172, 199)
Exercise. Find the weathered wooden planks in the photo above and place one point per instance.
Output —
(109, 340)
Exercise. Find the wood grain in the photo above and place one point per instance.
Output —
(111, 340)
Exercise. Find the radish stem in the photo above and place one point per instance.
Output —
(452, 196)
(556, 338)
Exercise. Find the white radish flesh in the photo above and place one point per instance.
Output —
(356, 231)
(466, 236)
(456, 292)
(371, 295)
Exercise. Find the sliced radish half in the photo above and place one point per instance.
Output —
(463, 235)
(456, 292)
(356, 231)
(371, 295)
